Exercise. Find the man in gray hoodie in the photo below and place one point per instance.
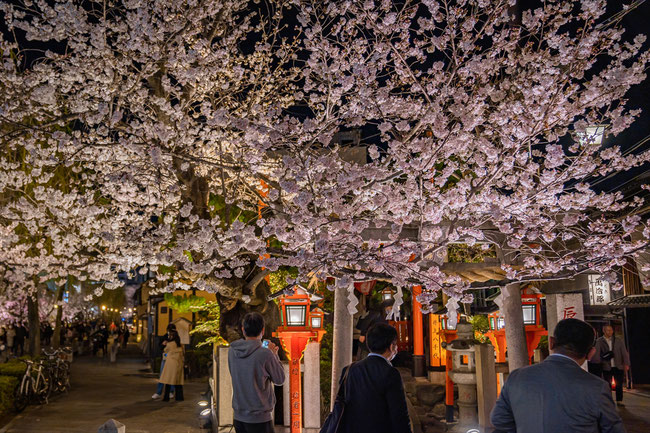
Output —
(254, 370)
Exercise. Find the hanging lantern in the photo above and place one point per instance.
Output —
(387, 294)
(365, 287)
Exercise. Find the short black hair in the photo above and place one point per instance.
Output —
(574, 337)
(253, 323)
(171, 327)
(380, 336)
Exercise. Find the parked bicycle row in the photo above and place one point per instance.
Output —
(43, 378)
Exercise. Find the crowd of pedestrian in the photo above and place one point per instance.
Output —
(12, 339)
(555, 395)
(80, 335)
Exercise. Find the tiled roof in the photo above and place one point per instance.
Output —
(631, 301)
(288, 290)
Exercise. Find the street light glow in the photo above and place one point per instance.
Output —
(592, 135)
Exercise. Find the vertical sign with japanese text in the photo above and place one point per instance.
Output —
(599, 293)
(296, 397)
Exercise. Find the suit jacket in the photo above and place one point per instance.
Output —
(375, 399)
(621, 357)
(556, 396)
(372, 318)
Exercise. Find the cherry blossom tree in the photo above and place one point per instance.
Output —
(205, 137)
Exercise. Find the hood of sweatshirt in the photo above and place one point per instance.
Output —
(245, 348)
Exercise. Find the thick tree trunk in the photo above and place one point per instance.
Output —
(233, 309)
(515, 331)
(56, 338)
(341, 340)
(34, 325)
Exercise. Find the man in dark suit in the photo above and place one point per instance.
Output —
(373, 391)
(557, 395)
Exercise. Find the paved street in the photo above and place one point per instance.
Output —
(636, 412)
(121, 391)
(101, 391)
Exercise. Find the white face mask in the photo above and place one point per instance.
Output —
(393, 352)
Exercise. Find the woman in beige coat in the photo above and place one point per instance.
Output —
(172, 373)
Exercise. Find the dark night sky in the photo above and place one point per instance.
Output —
(639, 97)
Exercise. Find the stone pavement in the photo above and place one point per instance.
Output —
(101, 390)
(636, 412)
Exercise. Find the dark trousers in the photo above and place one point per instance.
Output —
(619, 377)
(595, 368)
(178, 392)
(247, 427)
(19, 347)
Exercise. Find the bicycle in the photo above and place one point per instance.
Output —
(59, 369)
(35, 384)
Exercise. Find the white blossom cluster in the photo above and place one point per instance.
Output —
(199, 138)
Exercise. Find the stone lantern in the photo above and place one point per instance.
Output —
(300, 325)
(463, 372)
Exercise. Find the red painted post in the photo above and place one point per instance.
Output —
(294, 343)
(419, 363)
(449, 390)
(294, 391)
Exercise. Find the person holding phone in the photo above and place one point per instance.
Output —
(254, 367)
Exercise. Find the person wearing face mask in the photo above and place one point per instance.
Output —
(372, 317)
(373, 390)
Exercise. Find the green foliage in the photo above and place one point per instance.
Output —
(13, 368)
(326, 368)
(184, 303)
(543, 343)
(375, 298)
(198, 360)
(7, 386)
(278, 279)
(208, 324)
(112, 299)
(463, 253)
(218, 207)
(326, 345)
(481, 325)
(165, 270)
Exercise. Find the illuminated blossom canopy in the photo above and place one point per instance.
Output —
(199, 140)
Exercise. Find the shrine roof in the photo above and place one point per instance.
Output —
(631, 301)
(289, 290)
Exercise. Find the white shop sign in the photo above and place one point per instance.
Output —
(599, 293)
